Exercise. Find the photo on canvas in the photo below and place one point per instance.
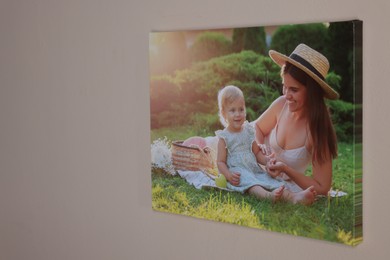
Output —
(260, 127)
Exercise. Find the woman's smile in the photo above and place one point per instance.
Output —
(294, 92)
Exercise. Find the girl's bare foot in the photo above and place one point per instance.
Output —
(261, 193)
(305, 197)
(277, 194)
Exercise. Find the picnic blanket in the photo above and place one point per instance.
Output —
(161, 158)
(202, 181)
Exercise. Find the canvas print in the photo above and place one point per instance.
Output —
(260, 127)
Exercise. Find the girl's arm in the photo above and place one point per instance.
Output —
(321, 179)
(232, 177)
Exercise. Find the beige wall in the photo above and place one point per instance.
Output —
(74, 136)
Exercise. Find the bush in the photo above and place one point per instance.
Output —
(191, 91)
(189, 98)
(256, 75)
(258, 97)
(167, 53)
(209, 45)
(247, 66)
(342, 114)
(340, 54)
(163, 91)
(287, 37)
(252, 38)
(205, 124)
(333, 80)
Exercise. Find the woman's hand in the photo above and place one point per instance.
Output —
(275, 168)
(234, 178)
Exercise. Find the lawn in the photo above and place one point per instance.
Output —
(332, 219)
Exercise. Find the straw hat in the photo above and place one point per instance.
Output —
(310, 61)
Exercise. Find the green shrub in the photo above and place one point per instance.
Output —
(209, 45)
(174, 100)
(189, 97)
(167, 53)
(169, 118)
(339, 51)
(287, 37)
(258, 97)
(342, 114)
(252, 38)
(333, 80)
(163, 91)
(246, 66)
(205, 124)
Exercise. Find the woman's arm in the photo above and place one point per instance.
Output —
(267, 121)
(260, 156)
(321, 179)
(232, 178)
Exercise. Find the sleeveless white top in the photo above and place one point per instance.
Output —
(297, 158)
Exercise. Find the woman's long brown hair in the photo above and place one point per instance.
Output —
(324, 140)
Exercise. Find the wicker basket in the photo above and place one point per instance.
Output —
(193, 158)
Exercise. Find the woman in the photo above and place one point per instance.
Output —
(297, 125)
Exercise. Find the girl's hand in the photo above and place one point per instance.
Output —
(270, 158)
(275, 168)
(234, 178)
(265, 149)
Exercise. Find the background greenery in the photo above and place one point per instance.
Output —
(186, 94)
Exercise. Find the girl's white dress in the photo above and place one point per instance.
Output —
(240, 158)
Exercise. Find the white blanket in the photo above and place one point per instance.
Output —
(161, 158)
(200, 180)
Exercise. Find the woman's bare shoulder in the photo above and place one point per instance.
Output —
(278, 104)
(268, 119)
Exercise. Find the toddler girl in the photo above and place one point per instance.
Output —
(238, 154)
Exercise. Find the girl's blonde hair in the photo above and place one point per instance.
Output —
(226, 96)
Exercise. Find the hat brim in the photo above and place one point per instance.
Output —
(281, 59)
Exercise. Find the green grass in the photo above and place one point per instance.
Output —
(331, 219)
(179, 133)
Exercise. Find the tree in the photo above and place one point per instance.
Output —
(340, 54)
(252, 38)
(209, 45)
(167, 52)
(287, 37)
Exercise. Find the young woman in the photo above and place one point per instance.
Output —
(297, 126)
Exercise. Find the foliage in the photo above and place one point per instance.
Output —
(252, 38)
(168, 52)
(335, 42)
(205, 123)
(339, 51)
(208, 45)
(287, 37)
(194, 90)
(333, 80)
(342, 114)
(178, 132)
(189, 97)
(163, 91)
